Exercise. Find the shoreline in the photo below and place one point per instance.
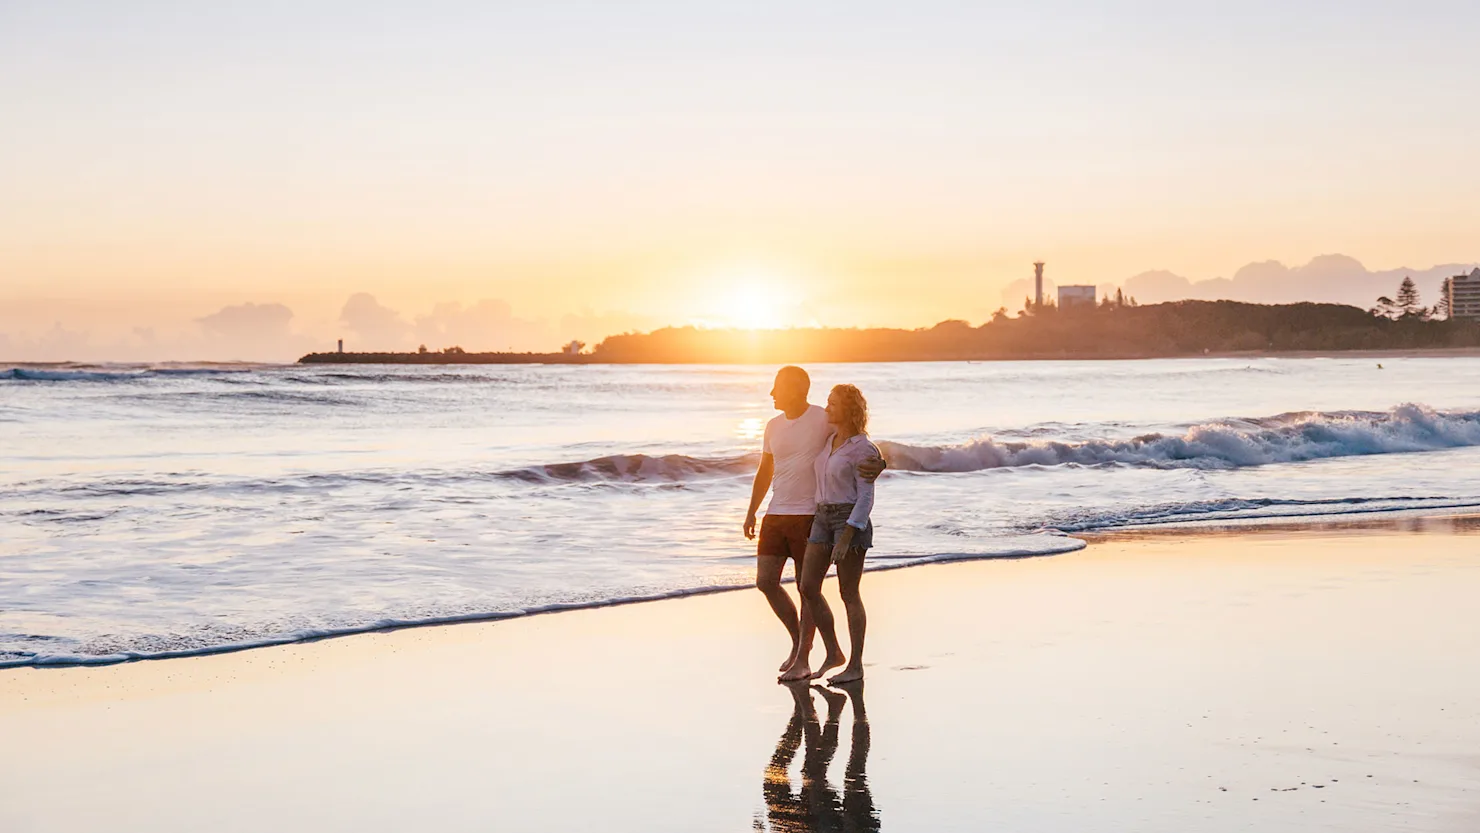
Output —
(1361, 519)
(386, 626)
(1279, 679)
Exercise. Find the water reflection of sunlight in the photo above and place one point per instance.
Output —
(751, 428)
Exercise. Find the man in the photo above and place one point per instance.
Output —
(788, 456)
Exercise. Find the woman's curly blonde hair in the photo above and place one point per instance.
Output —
(855, 407)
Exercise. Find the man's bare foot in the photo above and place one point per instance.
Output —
(829, 662)
(791, 659)
(796, 673)
(849, 675)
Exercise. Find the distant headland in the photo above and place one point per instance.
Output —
(1106, 331)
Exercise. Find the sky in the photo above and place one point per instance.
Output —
(208, 180)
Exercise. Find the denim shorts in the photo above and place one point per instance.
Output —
(828, 523)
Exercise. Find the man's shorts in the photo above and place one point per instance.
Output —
(784, 535)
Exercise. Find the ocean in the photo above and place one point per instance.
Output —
(170, 510)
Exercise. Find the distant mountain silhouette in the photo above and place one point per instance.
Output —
(1334, 278)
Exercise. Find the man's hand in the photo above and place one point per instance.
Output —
(750, 525)
(871, 468)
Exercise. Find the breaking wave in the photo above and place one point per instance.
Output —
(30, 374)
(112, 374)
(1224, 444)
(635, 468)
(1231, 443)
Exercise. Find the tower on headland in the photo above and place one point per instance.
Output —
(1037, 283)
(341, 345)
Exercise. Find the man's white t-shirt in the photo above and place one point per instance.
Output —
(795, 444)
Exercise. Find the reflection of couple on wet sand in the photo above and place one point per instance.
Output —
(820, 467)
(817, 806)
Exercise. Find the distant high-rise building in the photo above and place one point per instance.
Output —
(341, 345)
(1037, 283)
(1076, 296)
(1464, 296)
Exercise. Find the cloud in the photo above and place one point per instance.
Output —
(243, 332)
(60, 341)
(245, 321)
(270, 331)
(489, 325)
(375, 327)
(592, 327)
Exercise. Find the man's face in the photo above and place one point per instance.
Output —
(786, 391)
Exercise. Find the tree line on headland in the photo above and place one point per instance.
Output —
(1106, 331)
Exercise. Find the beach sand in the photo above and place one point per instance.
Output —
(1262, 678)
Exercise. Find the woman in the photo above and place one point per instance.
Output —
(841, 532)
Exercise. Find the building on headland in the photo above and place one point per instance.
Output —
(341, 345)
(1464, 296)
(1076, 296)
(1037, 283)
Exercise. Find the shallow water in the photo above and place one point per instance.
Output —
(159, 510)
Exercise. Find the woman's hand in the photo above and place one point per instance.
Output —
(844, 544)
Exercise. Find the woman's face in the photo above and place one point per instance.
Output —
(834, 409)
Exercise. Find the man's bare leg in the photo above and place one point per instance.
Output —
(850, 576)
(768, 580)
(814, 570)
(807, 627)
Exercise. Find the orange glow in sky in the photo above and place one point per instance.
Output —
(518, 175)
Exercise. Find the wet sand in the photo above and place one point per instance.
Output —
(1263, 678)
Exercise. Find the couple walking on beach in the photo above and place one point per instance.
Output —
(820, 468)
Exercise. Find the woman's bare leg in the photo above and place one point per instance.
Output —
(814, 570)
(850, 576)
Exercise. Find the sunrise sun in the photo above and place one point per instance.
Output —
(750, 299)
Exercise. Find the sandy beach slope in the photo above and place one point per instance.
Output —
(1263, 679)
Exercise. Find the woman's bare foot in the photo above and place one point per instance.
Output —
(849, 675)
(829, 662)
(797, 672)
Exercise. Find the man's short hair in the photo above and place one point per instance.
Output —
(796, 375)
